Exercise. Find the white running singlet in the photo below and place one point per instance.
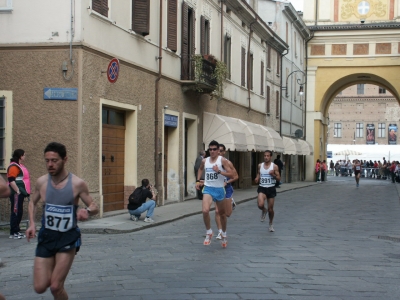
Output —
(211, 177)
(266, 180)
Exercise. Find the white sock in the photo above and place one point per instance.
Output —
(223, 233)
(220, 230)
(209, 231)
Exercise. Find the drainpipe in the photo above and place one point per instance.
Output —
(281, 93)
(248, 65)
(157, 152)
(316, 13)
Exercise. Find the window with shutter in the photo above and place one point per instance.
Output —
(268, 100)
(172, 37)
(227, 55)
(278, 64)
(141, 17)
(262, 78)
(243, 69)
(250, 83)
(100, 6)
(277, 104)
(187, 42)
(269, 58)
(204, 36)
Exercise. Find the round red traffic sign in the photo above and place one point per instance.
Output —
(113, 70)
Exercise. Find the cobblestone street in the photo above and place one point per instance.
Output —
(331, 241)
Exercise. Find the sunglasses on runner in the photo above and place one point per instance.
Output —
(213, 149)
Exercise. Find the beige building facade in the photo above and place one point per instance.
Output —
(116, 82)
(364, 114)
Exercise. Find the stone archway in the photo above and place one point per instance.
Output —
(324, 83)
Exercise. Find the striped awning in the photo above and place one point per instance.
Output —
(306, 147)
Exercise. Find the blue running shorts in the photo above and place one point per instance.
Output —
(217, 193)
(228, 191)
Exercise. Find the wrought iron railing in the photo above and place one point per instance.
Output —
(206, 75)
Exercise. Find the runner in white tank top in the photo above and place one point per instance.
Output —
(268, 174)
(216, 169)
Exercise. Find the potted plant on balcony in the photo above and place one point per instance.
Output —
(211, 58)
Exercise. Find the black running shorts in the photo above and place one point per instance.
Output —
(269, 192)
(51, 242)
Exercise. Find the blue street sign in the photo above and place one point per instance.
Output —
(329, 154)
(69, 94)
(170, 120)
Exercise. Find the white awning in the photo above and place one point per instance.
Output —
(292, 147)
(306, 147)
(260, 138)
(275, 141)
(224, 130)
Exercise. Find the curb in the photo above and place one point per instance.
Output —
(117, 231)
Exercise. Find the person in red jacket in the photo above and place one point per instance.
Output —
(317, 170)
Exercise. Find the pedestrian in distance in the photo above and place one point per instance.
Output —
(357, 171)
(20, 187)
(139, 203)
(331, 167)
(4, 193)
(199, 159)
(317, 170)
(267, 175)
(323, 168)
(230, 204)
(59, 238)
(279, 163)
(216, 168)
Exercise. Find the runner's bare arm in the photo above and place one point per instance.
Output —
(257, 179)
(236, 176)
(4, 190)
(229, 169)
(199, 182)
(83, 214)
(34, 199)
(276, 173)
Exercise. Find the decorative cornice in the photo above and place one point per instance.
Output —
(368, 26)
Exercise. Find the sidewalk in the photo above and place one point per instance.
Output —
(119, 221)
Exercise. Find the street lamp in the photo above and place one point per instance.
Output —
(301, 89)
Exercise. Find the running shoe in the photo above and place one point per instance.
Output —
(219, 236)
(271, 229)
(21, 235)
(207, 240)
(134, 218)
(148, 220)
(233, 204)
(263, 215)
(224, 242)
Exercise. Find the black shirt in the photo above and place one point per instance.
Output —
(143, 193)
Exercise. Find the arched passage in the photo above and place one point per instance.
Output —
(324, 83)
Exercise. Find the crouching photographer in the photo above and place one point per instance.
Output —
(138, 202)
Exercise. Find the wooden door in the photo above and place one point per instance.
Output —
(113, 157)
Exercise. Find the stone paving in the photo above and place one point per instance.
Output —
(332, 241)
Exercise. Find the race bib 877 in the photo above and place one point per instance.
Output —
(59, 217)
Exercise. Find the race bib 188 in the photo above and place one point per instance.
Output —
(59, 217)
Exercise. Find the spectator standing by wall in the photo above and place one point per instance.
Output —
(20, 187)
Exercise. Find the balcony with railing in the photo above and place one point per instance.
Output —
(198, 73)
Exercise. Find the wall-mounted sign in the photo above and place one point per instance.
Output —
(329, 154)
(392, 136)
(170, 120)
(113, 70)
(69, 94)
(370, 134)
